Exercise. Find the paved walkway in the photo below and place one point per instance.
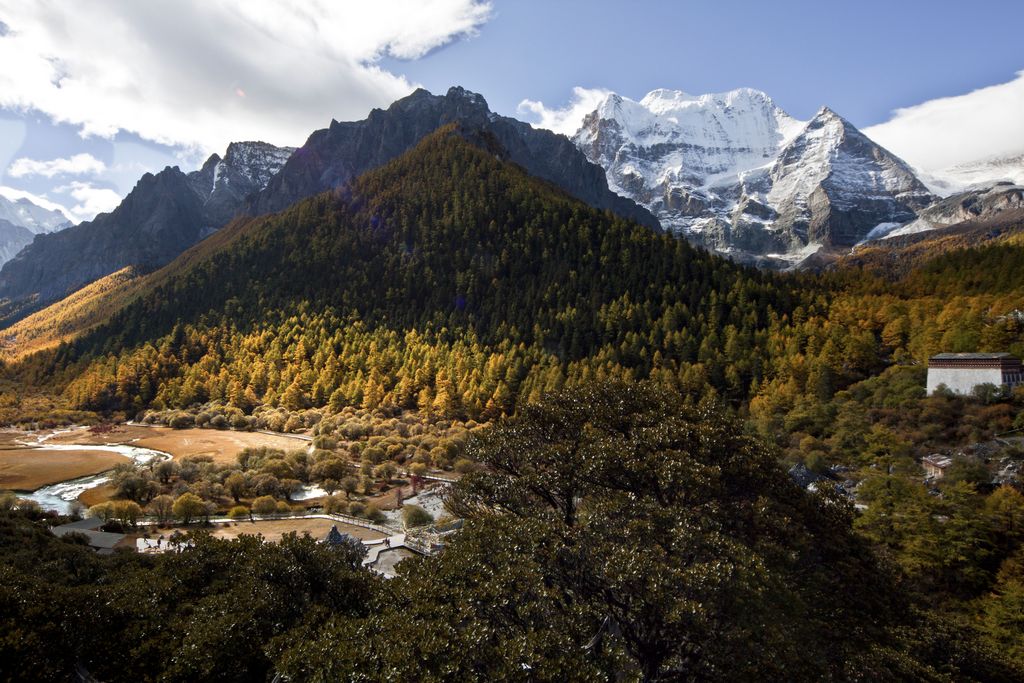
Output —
(376, 547)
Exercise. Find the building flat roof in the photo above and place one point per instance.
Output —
(940, 461)
(97, 539)
(93, 523)
(974, 356)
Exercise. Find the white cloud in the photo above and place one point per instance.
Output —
(39, 200)
(566, 120)
(79, 164)
(90, 200)
(950, 131)
(202, 73)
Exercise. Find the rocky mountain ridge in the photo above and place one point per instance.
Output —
(164, 214)
(974, 205)
(333, 156)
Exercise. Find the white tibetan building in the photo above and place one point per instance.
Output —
(962, 372)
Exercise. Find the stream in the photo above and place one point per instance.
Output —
(60, 496)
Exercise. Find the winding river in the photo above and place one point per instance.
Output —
(60, 496)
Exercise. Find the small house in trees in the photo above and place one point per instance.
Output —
(337, 539)
(961, 373)
(935, 466)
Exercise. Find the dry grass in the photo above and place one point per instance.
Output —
(96, 495)
(12, 439)
(120, 434)
(222, 446)
(273, 530)
(27, 469)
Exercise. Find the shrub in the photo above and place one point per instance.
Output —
(335, 505)
(325, 442)
(8, 501)
(264, 505)
(373, 514)
(188, 506)
(238, 512)
(464, 465)
(181, 421)
(414, 515)
(103, 511)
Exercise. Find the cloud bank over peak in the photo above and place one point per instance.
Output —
(202, 73)
(946, 132)
(565, 120)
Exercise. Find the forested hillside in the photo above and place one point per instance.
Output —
(447, 280)
(451, 282)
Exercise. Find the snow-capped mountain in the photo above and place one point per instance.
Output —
(736, 173)
(976, 175)
(34, 218)
(21, 220)
(984, 204)
(13, 238)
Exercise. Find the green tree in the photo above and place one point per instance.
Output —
(187, 507)
(349, 485)
(235, 484)
(162, 507)
(264, 505)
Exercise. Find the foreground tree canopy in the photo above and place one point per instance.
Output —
(615, 533)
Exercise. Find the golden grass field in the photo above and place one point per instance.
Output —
(96, 495)
(222, 446)
(27, 469)
(273, 530)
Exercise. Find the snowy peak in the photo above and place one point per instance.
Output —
(739, 119)
(21, 220)
(977, 175)
(734, 172)
(257, 161)
(832, 185)
(223, 183)
(673, 152)
(24, 213)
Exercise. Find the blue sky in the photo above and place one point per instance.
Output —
(863, 58)
(137, 86)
